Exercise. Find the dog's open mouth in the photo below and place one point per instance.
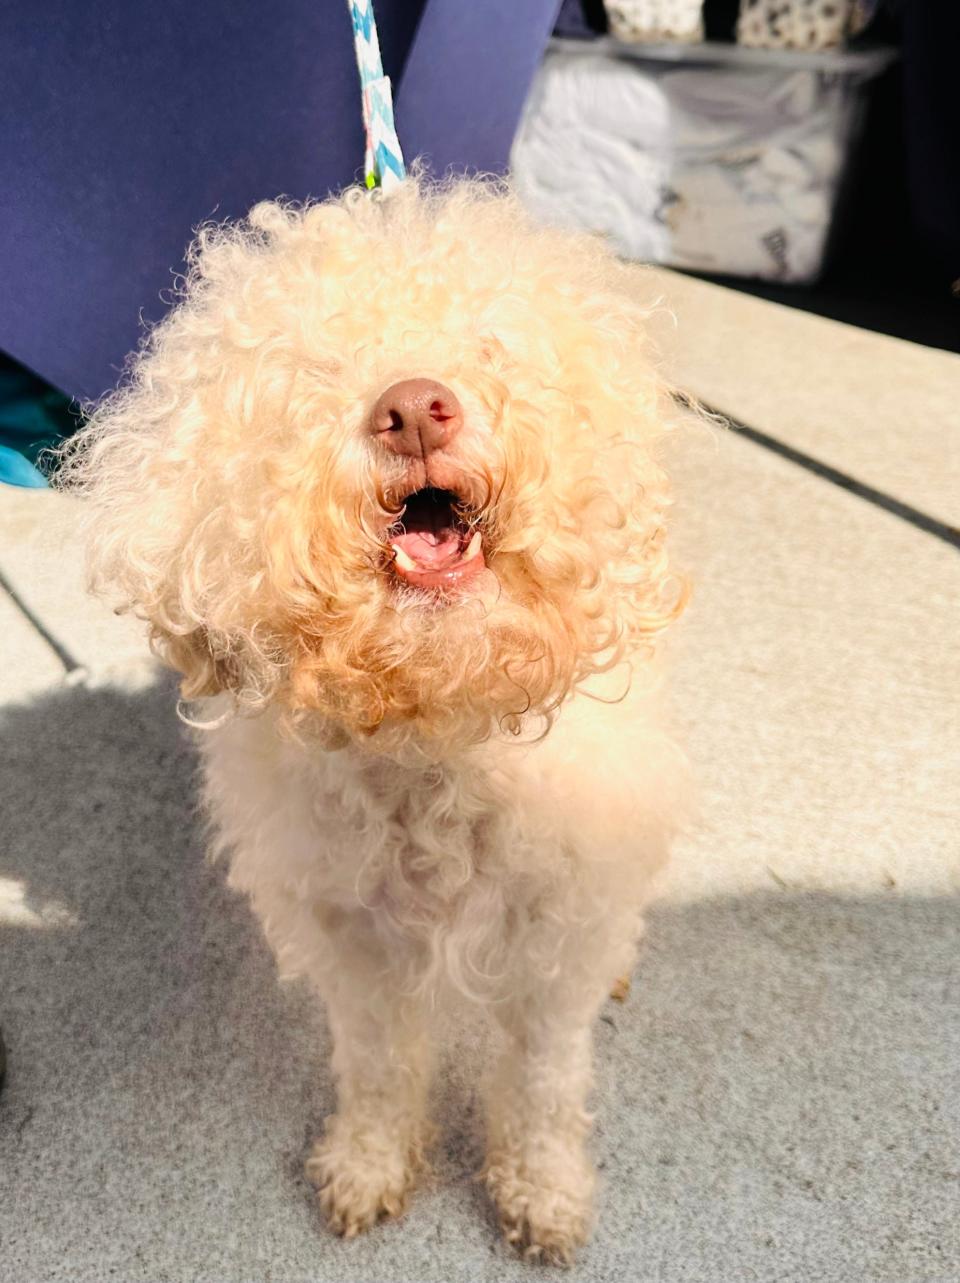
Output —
(434, 546)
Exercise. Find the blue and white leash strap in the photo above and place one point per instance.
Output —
(383, 164)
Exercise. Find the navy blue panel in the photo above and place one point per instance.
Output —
(124, 125)
(467, 77)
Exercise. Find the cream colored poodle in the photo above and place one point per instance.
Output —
(385, 485)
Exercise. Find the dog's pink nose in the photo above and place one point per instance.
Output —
(416, 417)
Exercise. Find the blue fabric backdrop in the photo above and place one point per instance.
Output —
(125, 125)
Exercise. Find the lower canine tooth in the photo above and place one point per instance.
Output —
(402, 560)
(473, 547)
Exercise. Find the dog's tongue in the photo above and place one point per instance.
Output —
(430, 536)
(434, 548)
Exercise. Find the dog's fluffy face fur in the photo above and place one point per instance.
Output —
(243, 507)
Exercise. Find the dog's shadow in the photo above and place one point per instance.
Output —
(136, 971)
(785, 1064)
(140, 1005)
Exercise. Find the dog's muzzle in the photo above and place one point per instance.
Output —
(434, 544)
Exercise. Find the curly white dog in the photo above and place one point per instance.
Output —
(385, 485)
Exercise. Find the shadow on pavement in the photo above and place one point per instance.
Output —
(780, 1097)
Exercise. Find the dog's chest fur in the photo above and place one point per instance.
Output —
(441, 858)
(450, 865)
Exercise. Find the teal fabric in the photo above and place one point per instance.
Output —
(15, 470)
(33, 417)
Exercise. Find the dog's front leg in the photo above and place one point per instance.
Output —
(538, 1170)
(372, 1150)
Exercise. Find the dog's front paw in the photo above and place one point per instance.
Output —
(361, 1178)
(545, 1214)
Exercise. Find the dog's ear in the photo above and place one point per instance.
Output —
(186, 471)
(150, 524)
(634, 412)
(172, 485)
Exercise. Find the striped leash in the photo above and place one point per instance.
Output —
(383, 162)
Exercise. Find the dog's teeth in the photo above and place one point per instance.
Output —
(473, 547)
(402, 559)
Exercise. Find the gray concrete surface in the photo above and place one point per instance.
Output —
(778, 1100)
